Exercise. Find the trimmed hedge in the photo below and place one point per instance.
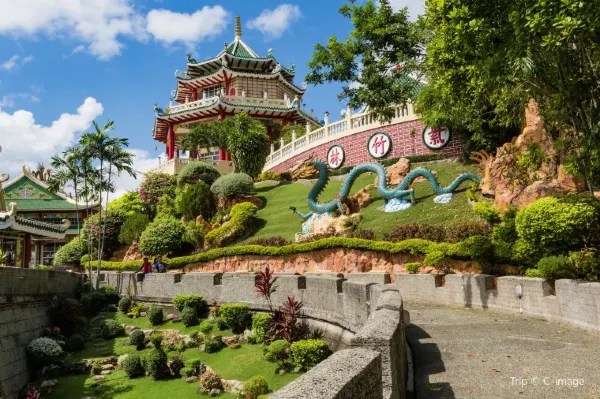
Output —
(242, 216)
(413, 246)
(195, 172)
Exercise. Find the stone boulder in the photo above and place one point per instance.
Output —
(328, 224)
(396, 172)
(133, 253)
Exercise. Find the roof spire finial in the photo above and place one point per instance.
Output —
(238, 27)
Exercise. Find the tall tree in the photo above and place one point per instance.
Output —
(207, 135)
(378, 64)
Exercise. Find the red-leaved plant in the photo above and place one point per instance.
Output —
(32, 392)
(284, 324)
(265, 285)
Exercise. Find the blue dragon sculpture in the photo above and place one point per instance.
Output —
(310, 166)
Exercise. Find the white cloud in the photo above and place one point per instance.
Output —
(273, 23)
(143, 162)
(15, 61)
(170, 27)
(415, 7)
(25, 142)
(9, 100)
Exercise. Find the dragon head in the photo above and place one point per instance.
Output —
(303, 169)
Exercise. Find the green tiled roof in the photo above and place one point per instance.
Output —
(42, 204)
(238, 49)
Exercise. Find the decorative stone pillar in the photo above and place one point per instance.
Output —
(265, 94)
(308, 126)
(272, 148)
(294, 135)
(326, 119)
(282, 142)
(349, 117)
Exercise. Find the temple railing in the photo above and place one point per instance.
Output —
(174, 166)
(238, 100)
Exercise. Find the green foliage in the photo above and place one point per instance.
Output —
(193, 301)
(189, 317)
(221, 325)
(254, 387)
(278, 352)
(412, 267)
(453, 233)
(272, 175)
(195, 200)
(195, 172)
(137, 338)
(487, 212)
(235, 315)
(68, 316)
(188, 371)
(506, 231)
(167, 208)
(137, 310)
(260, 326)
(155, 315)
(194, 234)
(308, 353)
(156, 339)
(460, 231)
(232, 184)
(155, 363)
(128, 204)
(242, 217)
(476, 247)
(436, 259)
(75, 343)
(213, 344)
(556, 267)
(586, 264)
(111, 224)
(503, 251)
(162, 236)
(248, 144)
(133, 227)
(210, 380)
(207, 326)
(534, 273)
(551, 226)
(154, 187)
(132, 366)
(269, 241)
(533, 158)
(70, 254)
(96, 369)
(125, 304)
(112, 329)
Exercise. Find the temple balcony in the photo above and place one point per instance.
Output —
(236, 100)
(174, 166)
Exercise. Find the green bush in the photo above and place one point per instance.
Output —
(195, 200)
(554, 226)
(232, 185)
(68, 316)
(276, 241)
(213, 344)
(248, 144)
(194, 234)
(75, 343)
(506, 231)
(308, 353)
(207, 326)
(260, 326)
(137, 310)
(155, 315)
(195, 172)
(154, 187)
(221, 325)
(235, 315)
(556, 267)
(132, 366)
(476, 247)
(44, 350)
(96, 369)
(110, 226)
(133, 227)
(269, 175)
(436, 259)
(242, 217)
(188, 371)
(167, 208)
(162, 236)
(254, 387)
(460, 231)
(533, 273)
(586, 263)
(412, 267)
(193, 301)
(425, 231)
(70, 254)
(112, 329)
(189, 317)
(503, 251)
(487, 211)
(137, 338)
(155, 363)
(278, 352)
(125, 304)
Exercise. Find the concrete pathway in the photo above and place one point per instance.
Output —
(467, 353)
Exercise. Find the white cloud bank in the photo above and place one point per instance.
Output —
(273, 23)
(415, 7)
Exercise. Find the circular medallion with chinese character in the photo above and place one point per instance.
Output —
(379, 145)
(335, 156)
(435, 138)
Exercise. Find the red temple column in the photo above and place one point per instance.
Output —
(228, 156)
(195, 95)
(171, 143)
(222, 156)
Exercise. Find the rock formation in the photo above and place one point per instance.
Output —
(331, 225)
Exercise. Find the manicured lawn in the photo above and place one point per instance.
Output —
(279, 220)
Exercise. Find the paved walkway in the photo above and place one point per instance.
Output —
(466, 353)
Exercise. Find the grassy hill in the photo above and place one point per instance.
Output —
(279, 220)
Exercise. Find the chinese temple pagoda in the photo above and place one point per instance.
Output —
(236, 80)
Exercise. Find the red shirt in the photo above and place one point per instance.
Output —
(147, 267)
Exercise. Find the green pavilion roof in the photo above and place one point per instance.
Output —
(43, 205)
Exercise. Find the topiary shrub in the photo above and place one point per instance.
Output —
(487, 212)
(308, 353)
(436, 259)
(207, 326)
(132, 366)
(176, 365)
(125, 304)
(242, 218)
(412, 267)
(195, 200)
(137, 338)
(260, 326)
(155, 315)
(210, 380)
(163, 236)
(269, 175)
(255, 387)
(552, 226)
(155, 362)
(556, 267)
(502, 251)
(213, 344)
(44, 350)
(278, 352)
(189, 317)
(248, 144)
(476, 247)
(174, 341)
(70, 254)
(195, 172)
(75, 343)
(506, 231)
(235, 315)
(68, 316)
(112, 329)
(193, 301)
(188, 371)
(231, 185)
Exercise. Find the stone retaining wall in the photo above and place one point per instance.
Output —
(25, 296)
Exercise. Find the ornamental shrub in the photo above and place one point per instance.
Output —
(173, 341)
(248, 144)
(109, 295)
(132, 366)
(189, 317)
(96, 369)
(276, 241)
(207, 326)
(155, 363)
(487, 211)
(75, 343)
(235, 315)
(587, 264)
(552, 226)
(188, 371)
(195, 200)
(70, 254)
(364, 234)
(254, 387)
(233, 184)
(221, 325)
(476, 247)
(269, 175)
(176, 365)
(193, 301)
(137, 310)
(308, 353)
(155, 315)
(112, 329)
(260, 326)
(436, 259)
(167, 208)
(533, 273)
(506, 231)
(425, 231)
(194, 234)
(460, 231)
(68, 316)
(412, 267)
(44, 350)
(163, 236)
(153, 187)
(125, 304)
(210, 380)
(111, 224)
(556, 267)
(133, 227)
(213, 344)
(278, 352)
(195, 172)
(137, 338)
(242, 218)
(503, 251)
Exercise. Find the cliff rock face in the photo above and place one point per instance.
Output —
(526, 169)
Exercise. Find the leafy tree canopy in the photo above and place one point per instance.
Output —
(129, 204)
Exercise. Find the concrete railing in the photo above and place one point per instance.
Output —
(174, 166)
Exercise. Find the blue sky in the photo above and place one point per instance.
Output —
(62, 66)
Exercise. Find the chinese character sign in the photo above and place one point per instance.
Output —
(379, 145)
(435, 138)
(335, 156)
